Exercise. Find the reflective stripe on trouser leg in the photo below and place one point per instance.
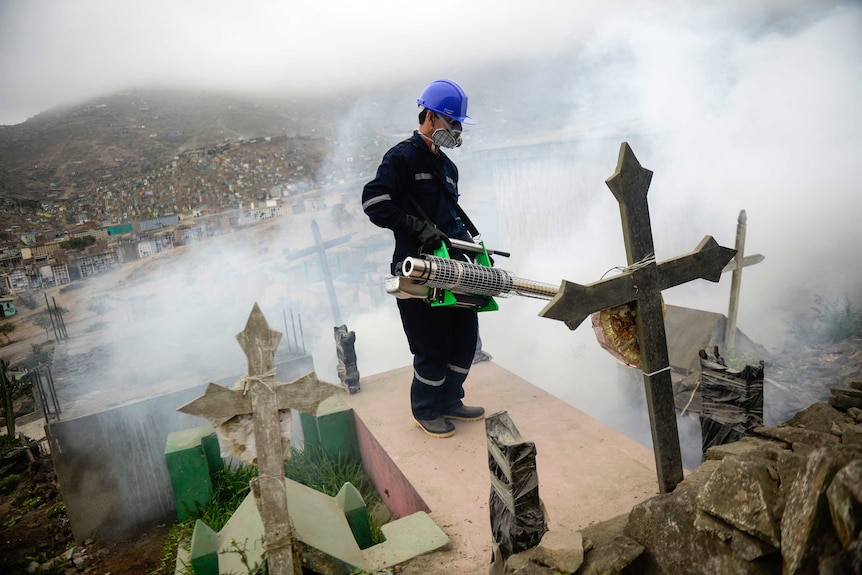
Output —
(439, 338)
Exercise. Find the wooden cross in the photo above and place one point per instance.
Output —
(263, 398)
(642, 282)
(739, 261)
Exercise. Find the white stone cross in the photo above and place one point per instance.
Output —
(263, 397)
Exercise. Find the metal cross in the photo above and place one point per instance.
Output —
(263, 399)
(642, 283)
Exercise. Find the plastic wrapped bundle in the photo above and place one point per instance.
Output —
(732, 401)
(517, 515)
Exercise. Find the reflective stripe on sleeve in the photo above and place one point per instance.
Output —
(376, 200)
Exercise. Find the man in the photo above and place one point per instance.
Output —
(414, 194)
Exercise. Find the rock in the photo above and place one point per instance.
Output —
(855, 383)
(846, 391)
(855, 413)
(790, 466)
(851, 434)
(743, 493)
(81, 562)
(33, 567)
(748, 547)
(560, 550)
(848, 561)
(665, 526)
(612, 558)
(845, 502)
(598, 534)
(744, 446)
(522, 564)
(818, 416)
(806, 528)
(844, 402)
(793, 435)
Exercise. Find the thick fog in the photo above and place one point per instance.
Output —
(738, 106)
(736, 111)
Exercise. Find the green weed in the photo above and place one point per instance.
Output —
(179, 534)
(827, 321)
(312, 467)
(230, 488)
(9, 482)
(58, 508)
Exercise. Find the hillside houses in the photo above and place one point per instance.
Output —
(60, 261)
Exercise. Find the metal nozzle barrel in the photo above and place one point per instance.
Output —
(469, 278)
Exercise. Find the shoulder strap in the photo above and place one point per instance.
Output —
(468, 223)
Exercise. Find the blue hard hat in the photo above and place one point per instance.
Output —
(447, 98)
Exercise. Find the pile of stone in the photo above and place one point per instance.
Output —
(786, 500)
(77, 559)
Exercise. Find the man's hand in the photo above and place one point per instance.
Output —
(428, 236)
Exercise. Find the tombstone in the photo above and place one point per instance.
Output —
(731, 401)
(517, 515)
(640, 286)
(259, 395)
(348, 372)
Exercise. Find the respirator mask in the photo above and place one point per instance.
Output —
(450, 137)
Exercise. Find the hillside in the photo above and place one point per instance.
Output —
(76, 146)
(77, 163)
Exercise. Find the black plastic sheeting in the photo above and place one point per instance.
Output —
(348, 373)
(517, 516)
(732, 401)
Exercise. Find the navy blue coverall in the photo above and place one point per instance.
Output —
(442, 339)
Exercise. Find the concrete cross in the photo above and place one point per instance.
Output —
(263, 398)
(642, 283)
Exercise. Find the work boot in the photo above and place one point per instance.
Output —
(466, 413)
(437, 427)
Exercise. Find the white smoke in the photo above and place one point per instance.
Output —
(734, 106)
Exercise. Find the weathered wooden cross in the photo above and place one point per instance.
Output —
(263, 397)
(642, 282)
(740, 260)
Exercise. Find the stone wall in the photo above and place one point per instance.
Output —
(787, 500)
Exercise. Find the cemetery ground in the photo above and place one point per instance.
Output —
(34, 526)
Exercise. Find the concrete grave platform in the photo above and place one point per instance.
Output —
(690, 330)
(588, 472)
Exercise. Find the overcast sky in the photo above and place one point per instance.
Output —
(62, 51)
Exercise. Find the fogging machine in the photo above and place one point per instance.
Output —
(442, 281)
